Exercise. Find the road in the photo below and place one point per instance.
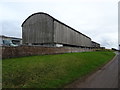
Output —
(106, 77)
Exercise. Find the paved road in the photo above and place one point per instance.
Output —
(106, 77)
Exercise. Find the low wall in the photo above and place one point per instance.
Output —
(10, 52)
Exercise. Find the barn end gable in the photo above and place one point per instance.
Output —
(38, 29)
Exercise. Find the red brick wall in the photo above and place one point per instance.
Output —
(10, 52)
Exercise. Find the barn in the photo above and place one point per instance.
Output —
(95, 44)
(44, 30)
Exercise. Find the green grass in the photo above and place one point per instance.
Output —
(51, 71)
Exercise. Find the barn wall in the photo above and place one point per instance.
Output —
(65, 35)
(38, 29)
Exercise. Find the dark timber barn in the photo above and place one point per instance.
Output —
(42, 29)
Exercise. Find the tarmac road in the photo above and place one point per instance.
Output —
(106, 77)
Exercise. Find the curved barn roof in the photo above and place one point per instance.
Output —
(55, 20)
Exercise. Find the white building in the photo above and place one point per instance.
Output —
(10, 41)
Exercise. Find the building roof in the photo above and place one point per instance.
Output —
(9, 37)
(95, 42)
(55, 20)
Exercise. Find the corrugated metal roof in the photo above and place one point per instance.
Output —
(9, 37)
(55, 20)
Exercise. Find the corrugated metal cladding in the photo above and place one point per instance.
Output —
(41, 28)
(66, 35)
(38, 29)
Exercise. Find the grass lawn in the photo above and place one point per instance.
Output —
(51, 71)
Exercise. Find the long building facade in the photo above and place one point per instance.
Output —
(43, 29)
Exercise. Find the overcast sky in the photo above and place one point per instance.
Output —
(97, 19)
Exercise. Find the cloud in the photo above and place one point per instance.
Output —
(95, 18)
(11, 29)
(59, 1)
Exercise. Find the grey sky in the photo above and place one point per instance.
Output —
(97, 19)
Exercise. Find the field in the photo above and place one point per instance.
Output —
(51, 71)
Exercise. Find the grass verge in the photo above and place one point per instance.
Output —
(51, 71)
